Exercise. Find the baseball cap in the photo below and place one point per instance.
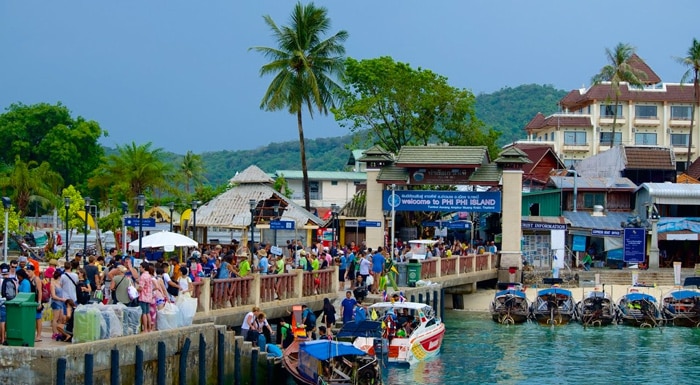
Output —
(4, 268)
(30, 267)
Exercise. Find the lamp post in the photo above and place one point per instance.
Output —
(141, 203)
(66, 202)
(171, 206)
(252, 203)
(87, 207)
(393, 219)
(334, 216)
(125, 210)
(573, 170)
(194, 204)
(277, 211)
(6, 204)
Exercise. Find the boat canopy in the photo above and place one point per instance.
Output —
(684, 294)
(640, 297)
(692, 281)
(516, 293)
(400, 305)
(554, 291)
(325, 349)
(361, 329)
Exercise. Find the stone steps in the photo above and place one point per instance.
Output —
(662, 277)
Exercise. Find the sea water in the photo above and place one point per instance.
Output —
(477, 350)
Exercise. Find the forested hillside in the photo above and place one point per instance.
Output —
(507, 110)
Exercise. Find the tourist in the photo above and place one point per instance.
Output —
(66, 331)
(308, 318)
(264, 263)
(48, 273)
(171, 287)
(145, 288)
(328, 313)
(58, 303)
(360, 291)
(587, 261)
(248, 321)
(262, 327)
(324, 333)
(348, 307)
(119, 286)
(160, 292)
(36, 288)
(286, 334)
(185, 283)
(92, 273)
(8, 291)
(342, 268)
(303, 262)
(364, 268)
(82, 288)
(69, 281)
(244, 267)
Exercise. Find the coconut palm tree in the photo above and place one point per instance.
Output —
(619, 70)
(29, 181)
(692, 61)
(304, 67)
(192, 170)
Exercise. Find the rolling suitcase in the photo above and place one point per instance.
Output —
(87, 324)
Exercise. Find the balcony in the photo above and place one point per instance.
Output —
(647, 121)
(682, 123)
(576, 147)
(607, 120)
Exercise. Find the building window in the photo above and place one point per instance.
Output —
(575, 138)
(545, 137)
(645, 112)
(314, 190)
(680, 112)
(645, 138)
(551, 136)
(608, 110)
(569, 162)
(593, 199)
(606, 136)
(679, 139)
(334, 183)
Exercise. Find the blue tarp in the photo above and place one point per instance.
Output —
(684, 294)
(325, 349)
(555, 291)
(516, 293)
(640, 296)
(361, 329)
(666, 225)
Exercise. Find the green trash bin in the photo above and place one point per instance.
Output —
(21, 320)
(414, 267)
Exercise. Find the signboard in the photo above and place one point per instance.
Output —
(542, 226)
(440, 175)
(485, 202)
(447, 224)
(145, 222)
(275, 250)
(579, 243)
(351, 223)
(366, 223)
(281, 225)
(634, 250)
(606, 233)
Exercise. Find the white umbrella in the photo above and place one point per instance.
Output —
(164, 239)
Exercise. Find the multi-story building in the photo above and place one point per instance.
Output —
(656, 115)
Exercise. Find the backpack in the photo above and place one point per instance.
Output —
(9, 289)
(310, 317)
(308, 266)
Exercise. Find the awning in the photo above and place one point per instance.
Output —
(584, 220)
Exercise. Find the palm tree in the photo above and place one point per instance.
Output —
(619, 70)
(133, 170)
(192, 170)
(31, 182)
(303, 66)
(693, 62)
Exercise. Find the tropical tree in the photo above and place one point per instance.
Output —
(29, 181)
(692, 61)
(191, 170)
(619, 70)
(405, 106)
(47, 133)
(304, 67)
(133, 170)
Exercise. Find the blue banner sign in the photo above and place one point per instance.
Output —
(281, 225)
(542, 226)
(145, 222)
(485, 202)
(364, 223)
(635, 241)
(579, 243)
(448, 224)
(606, 233)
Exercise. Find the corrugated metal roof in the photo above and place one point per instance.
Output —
(584, 220)
(324, 175)
(252, 174)
(393, 174)
(672, 190)
(592, 183)
(231, 209)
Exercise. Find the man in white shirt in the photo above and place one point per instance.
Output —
(69, 281)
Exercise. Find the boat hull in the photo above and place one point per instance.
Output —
(596, 309)
(510, 307)
(639, 310)
(510, 317)
(553, 306)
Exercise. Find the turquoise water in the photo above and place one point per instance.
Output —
(476, 350)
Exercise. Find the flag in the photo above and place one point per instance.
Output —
(401, 297)
(384, 296)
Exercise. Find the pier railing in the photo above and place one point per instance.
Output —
(258, 289)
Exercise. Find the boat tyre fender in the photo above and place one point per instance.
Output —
(507, 320)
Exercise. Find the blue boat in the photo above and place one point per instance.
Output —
(681, 306)
(553, 306)
(596, 309)
(639, 309)
(510, 305)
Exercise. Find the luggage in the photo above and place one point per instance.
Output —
(131, 319)
(168, 317)
(88, 324)
(113, 322)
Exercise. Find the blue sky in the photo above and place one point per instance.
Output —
(179, 73)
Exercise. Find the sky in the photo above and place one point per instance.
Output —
(179, 74)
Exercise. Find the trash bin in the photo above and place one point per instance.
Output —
(402, 268)
(21, 319)
(414, 267)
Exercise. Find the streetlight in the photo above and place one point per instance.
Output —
(6, 204)
(393, 218)
(334, 216)
(171, 206)
(252, 203)
(572, 170)
(125, 210)
(277, 210)
(66, 202)
(141, 203)
(87, 207)
(194, 204)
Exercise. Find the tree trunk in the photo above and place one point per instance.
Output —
(304, 170)
(692, 119)
(612, 137)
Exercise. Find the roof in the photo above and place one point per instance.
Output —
(686, 179)
(323, 175)
(375, 153)
(640, 65)
(231, 209)
(694, 169)
(559, 120)
(584, 220)
(536, 152)
(554, 290)
(665, 92)
(672, 190)
(356, 207)
(325, 349)
(592, 183)
(449, 156)
(361, 329)
(486, 175)
(252, 174)
(354, 156)
(393, 174)
(646, 158)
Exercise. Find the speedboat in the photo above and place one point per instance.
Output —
(510, 304)
(324, 361)
(596, 309)
(639, 309)
(412, 330)
(681, 306)
(553, 306)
